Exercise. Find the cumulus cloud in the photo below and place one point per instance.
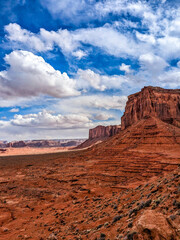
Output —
(46, 125)
(125, 68)
(19, 35)
(89, 79)
(62, 38)
(11, 132)
(29, 75)
(46, 119)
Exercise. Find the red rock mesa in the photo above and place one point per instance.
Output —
(152, 101)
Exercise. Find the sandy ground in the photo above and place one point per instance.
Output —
(30, 151)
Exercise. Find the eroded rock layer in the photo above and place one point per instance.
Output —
(104, 131)
(152, 101)
(99, 134)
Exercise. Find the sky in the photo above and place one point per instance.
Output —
(67, 66)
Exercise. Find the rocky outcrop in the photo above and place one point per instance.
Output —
(104, 131)
(99, 134)
(152, 101)
(154, 225)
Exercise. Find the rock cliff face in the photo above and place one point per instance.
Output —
(99, 134)
(102, 131)
(152, 101)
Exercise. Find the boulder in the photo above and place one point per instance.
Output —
(154, 225)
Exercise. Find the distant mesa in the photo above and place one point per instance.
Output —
(99, 134)
(41, 143)
(102, 131)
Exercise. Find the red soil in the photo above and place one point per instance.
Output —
(99, 193)
(30, 150)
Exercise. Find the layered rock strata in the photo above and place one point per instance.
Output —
(152, 101)
(104, 131)
(99, 134)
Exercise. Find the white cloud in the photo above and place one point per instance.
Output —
(46, 119)
(89, 79)
(146, 38)
(174, 28)
(103, 116)
(169, 47)
(14, 101)
(152, 63)
(29, 75)
(10, 132)
(91, 103)
(170, 78)
(125, 68)
(121, 6)
(107, 38)
(14, 110)
(79, 54)
(33, 41)
(160, 38)
(62, 38)
(80, 10)
(47, 125)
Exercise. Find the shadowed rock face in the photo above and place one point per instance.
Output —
(152, 101)
(102, 131)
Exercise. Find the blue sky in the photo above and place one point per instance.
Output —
(67, 66)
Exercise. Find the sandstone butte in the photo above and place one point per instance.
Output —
(125, 187)
(153, 101)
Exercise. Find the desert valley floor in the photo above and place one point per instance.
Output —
(124, 188)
